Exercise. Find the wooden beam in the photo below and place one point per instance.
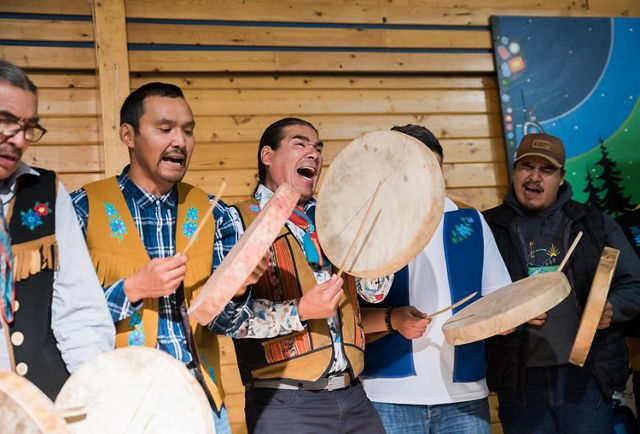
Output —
(113, 73)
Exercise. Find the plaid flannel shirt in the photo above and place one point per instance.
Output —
(155, 220)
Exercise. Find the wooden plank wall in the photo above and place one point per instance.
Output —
(348, 66)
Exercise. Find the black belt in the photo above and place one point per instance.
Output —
(333, 382)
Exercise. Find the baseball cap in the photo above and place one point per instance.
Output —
(542, 145)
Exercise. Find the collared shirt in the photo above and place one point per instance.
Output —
(372, 290)
(79, 317)
(155, 219)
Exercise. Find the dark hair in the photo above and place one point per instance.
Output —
(422, 134)
(16, 77)
(272, 137)
(133, 107)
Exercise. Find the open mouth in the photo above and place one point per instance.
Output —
(13, 158)
(307, 172)
(177, 159)
(532, 190)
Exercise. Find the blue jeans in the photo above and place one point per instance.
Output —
(559, 399)
(221, 421)
(466, 417)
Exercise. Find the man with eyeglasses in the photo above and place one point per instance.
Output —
(53, 312)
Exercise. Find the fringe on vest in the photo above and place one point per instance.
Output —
(34, 256)
(109, 268)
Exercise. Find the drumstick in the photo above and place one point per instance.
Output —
(206, 217)
(571, 249)
(364, 220)
(72, 412)
(453, 306)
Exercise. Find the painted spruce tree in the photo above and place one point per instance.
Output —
(592, 192)
(613, 200)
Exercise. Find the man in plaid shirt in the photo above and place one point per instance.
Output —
(157, 126)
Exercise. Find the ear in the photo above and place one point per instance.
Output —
(266, 155)
(564, 172)
(127, 135)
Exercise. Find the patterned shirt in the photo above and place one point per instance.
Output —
(371, 290)
(155, 220)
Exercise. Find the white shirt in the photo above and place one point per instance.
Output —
(432, 355)
(80, 320)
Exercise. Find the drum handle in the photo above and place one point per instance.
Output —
(364, 220)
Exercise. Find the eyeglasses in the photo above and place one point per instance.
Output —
(11, 127)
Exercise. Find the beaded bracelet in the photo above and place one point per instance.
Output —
(387, 319)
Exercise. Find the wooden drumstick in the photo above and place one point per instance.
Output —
(453, 306)
(571, 249)
(364, 220)
(206, 217)
(72, 414)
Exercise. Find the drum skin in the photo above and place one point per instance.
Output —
(136, 390)
(506, 308)
(24, 409)
(238, 265)
(405, 213)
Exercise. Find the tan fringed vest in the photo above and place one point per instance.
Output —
(117, 252)
(304, 356)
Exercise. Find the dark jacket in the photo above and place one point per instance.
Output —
(607, 359)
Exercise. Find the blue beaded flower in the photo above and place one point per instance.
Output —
(30, 219)
(191, 222)
(116, 225)
(462, 231)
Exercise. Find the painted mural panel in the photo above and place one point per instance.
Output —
(577, 79)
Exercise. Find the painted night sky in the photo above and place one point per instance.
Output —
(578, 79)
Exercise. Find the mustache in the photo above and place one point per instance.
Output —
(173, 151)
(8, 148)
(534, 185)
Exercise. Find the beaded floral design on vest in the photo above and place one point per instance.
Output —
(462, 230)
(32, 218)
(117, 226)
(191, 222)
(136, 336)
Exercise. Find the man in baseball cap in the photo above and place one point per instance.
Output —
(538, 389)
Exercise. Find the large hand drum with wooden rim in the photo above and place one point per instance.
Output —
(406, 210)
(136, 390)
(238, 265)
(24, 409)
(594, 306)
(506, 308)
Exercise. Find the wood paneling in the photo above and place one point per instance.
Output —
(317, 82)
(343, 101)
(307, 61)
(66, 7)
(46, 30)
(58, 58)
(300, 36)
